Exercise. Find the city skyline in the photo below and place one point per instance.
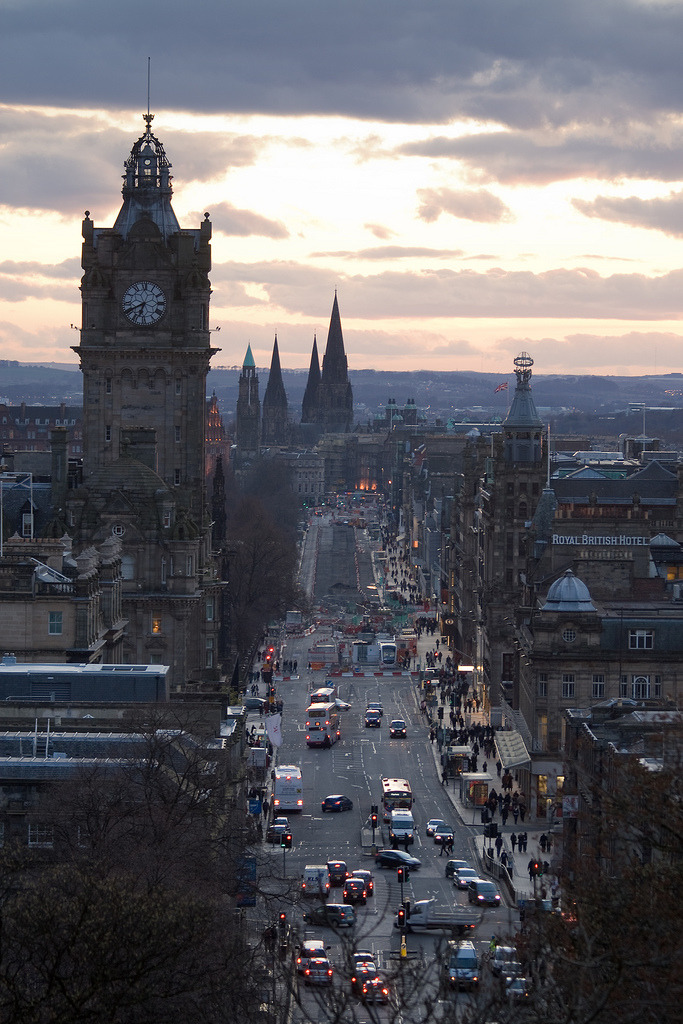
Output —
(474, 180)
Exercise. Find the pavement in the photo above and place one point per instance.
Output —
(516, 880)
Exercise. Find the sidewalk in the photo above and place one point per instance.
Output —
(522, 884)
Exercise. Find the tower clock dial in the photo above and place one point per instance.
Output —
(144, 303)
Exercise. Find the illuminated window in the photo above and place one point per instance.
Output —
(156, 624)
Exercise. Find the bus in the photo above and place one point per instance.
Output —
(323, 694)
(288, 789)
(323, 727)
(395, 793)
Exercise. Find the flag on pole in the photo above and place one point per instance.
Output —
(273, 729)
(501, 387)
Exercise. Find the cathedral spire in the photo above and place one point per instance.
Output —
(309, 406)
(335, 407)
(274, 426)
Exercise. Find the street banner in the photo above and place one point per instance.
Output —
(273, 730)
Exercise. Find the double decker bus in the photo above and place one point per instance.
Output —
(395, 793)
(323, 727)
(288, 789)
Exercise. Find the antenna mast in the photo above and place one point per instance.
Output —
(149, 66)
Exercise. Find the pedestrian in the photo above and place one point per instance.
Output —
(504, 859)
(499, 766)
(504, 814)
(499, 843)
(531, 868)
(522, 810)
(513, 841)
(444, 779)
(526, 841)
(484, 766)
(515, 812)
(443, 848)
(406, 843)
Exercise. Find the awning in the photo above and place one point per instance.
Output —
(511, 749)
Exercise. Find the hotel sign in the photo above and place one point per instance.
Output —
(586, 540)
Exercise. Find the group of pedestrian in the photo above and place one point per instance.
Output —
(520, 841)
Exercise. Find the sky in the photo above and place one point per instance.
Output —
(475, 179)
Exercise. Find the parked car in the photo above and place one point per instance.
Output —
(276, 829)
(453, 865)
(367, 878)
(254, 703)
(337, 802)
(337, 871)
(354, 890)
(373, 719)
(463, 876)
(331, 915)
(483, 893)
(397, 729)
(433, 824)
(396, 859)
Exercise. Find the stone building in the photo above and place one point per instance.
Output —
(145, 349)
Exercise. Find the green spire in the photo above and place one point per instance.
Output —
(249, 359)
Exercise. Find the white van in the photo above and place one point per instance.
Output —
(316, 881)
(402, 826)
(463, 966)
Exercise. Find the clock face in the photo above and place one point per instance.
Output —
(144, 303)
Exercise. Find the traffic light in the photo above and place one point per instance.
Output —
(282, 920)
(536, 868)
(286, 840)
(401, 916)
(401, 875)
(440, 714)
(373, 819)
(406, 874)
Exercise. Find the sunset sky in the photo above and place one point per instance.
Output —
(475, 178)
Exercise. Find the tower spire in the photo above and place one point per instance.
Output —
(274, 426)
(309, 406)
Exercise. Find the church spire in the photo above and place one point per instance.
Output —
(309, 406)
(335, 407)
(274, 425)
(334, 361)
(523, 427)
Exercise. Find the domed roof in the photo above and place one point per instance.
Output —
(131, 476)
(568, 594)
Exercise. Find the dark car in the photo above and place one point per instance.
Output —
(453, 865)
(373, 719)
(396, 859)
(443, 834)
(254, 703)
(397, 729)
(367, 878)
(276, 828)
(337, 871)
(483, 893)
(375, 705)
(318, 972)
(331, 915)
(433, 824)
(374, 990)
(354, 890)
(363, 971)
(337, 802)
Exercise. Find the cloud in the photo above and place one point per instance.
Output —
(231, 221)
(518, 64)
(22, 280)
(531, 158)
(464, 293)
(662, 214)
(480, 206)
(391, 252)
(380, 231)
(64, 162)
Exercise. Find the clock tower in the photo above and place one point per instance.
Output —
(145, 342)
(145, 349)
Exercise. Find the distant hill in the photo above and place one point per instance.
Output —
(441, 393)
